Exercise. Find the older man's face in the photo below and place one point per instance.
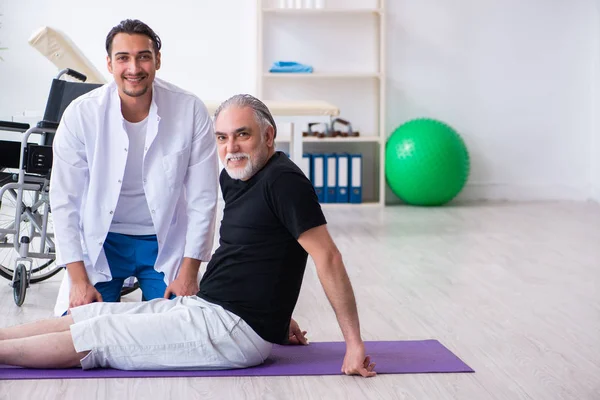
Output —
(243, 148)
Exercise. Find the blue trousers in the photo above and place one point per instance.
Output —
(128, 256)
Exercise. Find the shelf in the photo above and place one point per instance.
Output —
(322, 75)
(350, 205)
(358, 139)
(328, 11)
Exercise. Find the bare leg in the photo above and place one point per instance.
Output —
(51, 350)
(37, 328)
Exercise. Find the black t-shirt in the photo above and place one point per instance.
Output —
(257, 271)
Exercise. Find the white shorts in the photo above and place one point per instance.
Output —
(183, 333)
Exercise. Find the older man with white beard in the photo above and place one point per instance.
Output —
(272, 221)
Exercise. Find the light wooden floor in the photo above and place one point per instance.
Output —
(511, 289)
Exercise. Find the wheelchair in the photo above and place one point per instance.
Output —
(27, 248)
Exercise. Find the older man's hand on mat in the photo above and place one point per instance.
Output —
(83, 293)
(186, 283)
(356, 363)
(297, 336)
(183, 285)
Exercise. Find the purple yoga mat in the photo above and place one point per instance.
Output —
(319, 358)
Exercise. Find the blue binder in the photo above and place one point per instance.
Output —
(343, 169)
(318, 173)
(330, 178)
(355, 178)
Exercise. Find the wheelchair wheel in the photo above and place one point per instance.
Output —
(41, 268)
(20, 285)
(36, 274)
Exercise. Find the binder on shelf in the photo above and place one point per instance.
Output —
(343, 161)
(318, 173)
(355, 178)
(305, 166)
(330, 178)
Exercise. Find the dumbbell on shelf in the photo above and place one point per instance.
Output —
(313, 133)
(330, 131)
(347, 133)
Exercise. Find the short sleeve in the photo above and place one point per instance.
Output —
(295, 203)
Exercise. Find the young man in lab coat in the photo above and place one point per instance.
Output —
(272, 221)
(134, 180)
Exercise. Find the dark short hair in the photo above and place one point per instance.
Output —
(132, 26)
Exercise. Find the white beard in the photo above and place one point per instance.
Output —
(253, 165)
(240, 173)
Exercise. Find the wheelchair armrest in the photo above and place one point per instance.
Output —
(47, 125)
(13, 126)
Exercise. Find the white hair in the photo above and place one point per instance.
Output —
(261, 111)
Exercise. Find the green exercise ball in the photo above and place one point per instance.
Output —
(427, 162)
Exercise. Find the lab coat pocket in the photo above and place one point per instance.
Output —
(175, 166)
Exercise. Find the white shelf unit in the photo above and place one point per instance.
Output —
(344, 42)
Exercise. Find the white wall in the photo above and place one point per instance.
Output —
(517, 78)
(514, 77)
(209, 46)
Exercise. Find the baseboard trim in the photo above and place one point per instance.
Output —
(518, 193)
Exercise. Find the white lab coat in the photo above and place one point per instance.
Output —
(180, 171)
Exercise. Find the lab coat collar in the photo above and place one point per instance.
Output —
(153, 117)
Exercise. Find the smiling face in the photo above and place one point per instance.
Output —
(133, 63)
(243, 147)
